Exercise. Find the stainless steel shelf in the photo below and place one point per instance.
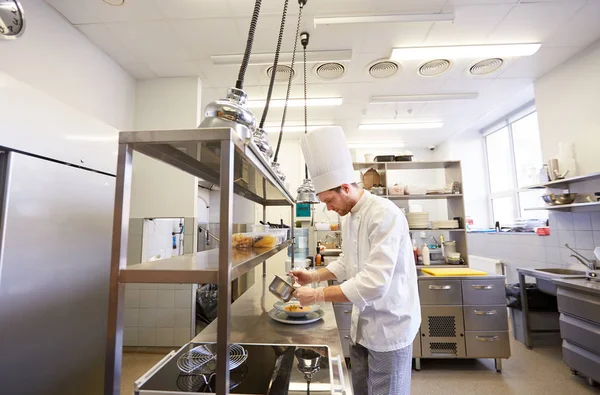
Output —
(407, 165)
(198, 268)
(441, 266)
(423, 197)
(439, 230)
(565, 182)
(196, 151)
(565, 206)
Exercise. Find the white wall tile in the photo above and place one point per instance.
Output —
(148, 286)
(566, 237)
(165, 318)
(132, 298)
(130, 337)
(166, 299)
(553, 255)
(132, 286)
(183, 299)
(131, 317)
(146, 337)
(595, 217)
(165, 286)
(182, 286)
(552, 240)
(564, 221)
(565, 257)
(164, 337)
(597, 238)
(183, 318)
(182, 336)
(534, 253)
(553, 221)
(148, 298)
(147, 318)
(534, 240)
(584, 240)
(582, 221)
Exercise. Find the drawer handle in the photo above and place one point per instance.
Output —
(484, 312)
(487, 338)
(483, 287)
(440, 287)
(347, 337)
(348, 312)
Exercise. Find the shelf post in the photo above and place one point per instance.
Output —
(118, 261)
(224, 305)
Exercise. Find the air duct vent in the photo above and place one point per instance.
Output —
(487, 66)
(283, 73)
(383, 69)
(435, 67)
(330, 71)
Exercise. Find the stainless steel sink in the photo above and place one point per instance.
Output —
(563, 272)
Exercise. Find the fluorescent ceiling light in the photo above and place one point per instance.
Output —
(465, 51)
(292, 129)
(423, 98)
(316, 102)
(401, 126)
(342, 20)
(381, 144)
(264, 59)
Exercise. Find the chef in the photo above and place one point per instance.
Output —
(377, 265)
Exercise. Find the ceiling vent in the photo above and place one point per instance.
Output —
(381, 69)
(487, 66)
(330, 71)
(435, 67)
(283, 73)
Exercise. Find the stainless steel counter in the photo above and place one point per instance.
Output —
(422, 276)
(250, 323)
(579, 284)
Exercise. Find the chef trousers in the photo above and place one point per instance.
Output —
(380, 373)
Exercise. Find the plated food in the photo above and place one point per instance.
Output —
(294, 308)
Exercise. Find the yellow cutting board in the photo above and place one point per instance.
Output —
(459, 271)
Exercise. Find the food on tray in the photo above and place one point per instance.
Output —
(295, 308)
(265, 241)
(241, 240)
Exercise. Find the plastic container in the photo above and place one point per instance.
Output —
(322, 226)
(260, 228)
(264, 240)
(426, 257)
(242, 240)
(281, 234)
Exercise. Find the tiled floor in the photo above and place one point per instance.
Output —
(538, 371)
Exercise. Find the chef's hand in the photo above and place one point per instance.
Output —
(307, 296)
(304, 277)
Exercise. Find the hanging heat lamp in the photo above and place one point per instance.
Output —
(275, 165)
(306, 191)
(232, 112)
(260, 136)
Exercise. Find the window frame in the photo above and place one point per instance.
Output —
(506, 122)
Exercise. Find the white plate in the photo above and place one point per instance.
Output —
(281, 316)
(280, 305)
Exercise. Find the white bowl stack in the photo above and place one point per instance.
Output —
(419, 220)
(445, 224)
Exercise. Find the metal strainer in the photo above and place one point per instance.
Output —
(202, 359)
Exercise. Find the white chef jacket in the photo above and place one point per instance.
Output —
(379, 266)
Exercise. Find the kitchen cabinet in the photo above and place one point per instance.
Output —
(579, 307)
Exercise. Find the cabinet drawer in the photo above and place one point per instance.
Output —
(486, 318)
(582, 333)
(484, 292)
(440, 292)
(417, 346)
(343, 315)
(345, 339)
(582, 360)
(487, 344)
(579, 304)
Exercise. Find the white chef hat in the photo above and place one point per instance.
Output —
(328, 158)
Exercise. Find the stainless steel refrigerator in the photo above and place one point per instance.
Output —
(55, 244)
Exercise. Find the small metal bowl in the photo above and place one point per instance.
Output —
(281, 289)
(557, 200)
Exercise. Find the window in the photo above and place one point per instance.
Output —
(514, 160)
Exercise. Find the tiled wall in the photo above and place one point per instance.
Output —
(157, 314)
(581, 230)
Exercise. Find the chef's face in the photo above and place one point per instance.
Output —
(339, 201)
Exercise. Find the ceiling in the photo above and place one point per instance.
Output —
(174, 38)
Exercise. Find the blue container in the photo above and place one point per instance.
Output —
(303, 210)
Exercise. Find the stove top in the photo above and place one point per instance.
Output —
(269, 370)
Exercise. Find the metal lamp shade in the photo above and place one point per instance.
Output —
(231, 112)
(306, 193)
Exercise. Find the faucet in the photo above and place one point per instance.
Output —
(589, 263)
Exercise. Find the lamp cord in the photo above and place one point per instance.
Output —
(246, 59)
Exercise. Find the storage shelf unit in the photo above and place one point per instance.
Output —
(216, 155)
(565, 206)
(565, 182)
(452, 171)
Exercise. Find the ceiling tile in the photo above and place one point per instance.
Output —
(150, 41)
(167, 69)
(480, 2)
(183, 9)
(195, 33)
(75, 12)
(101, 35)
(534, 22)
(396, 35)
(130, 11)
(472, 25)
(140, 71)
(540, 63)
(581, 30)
